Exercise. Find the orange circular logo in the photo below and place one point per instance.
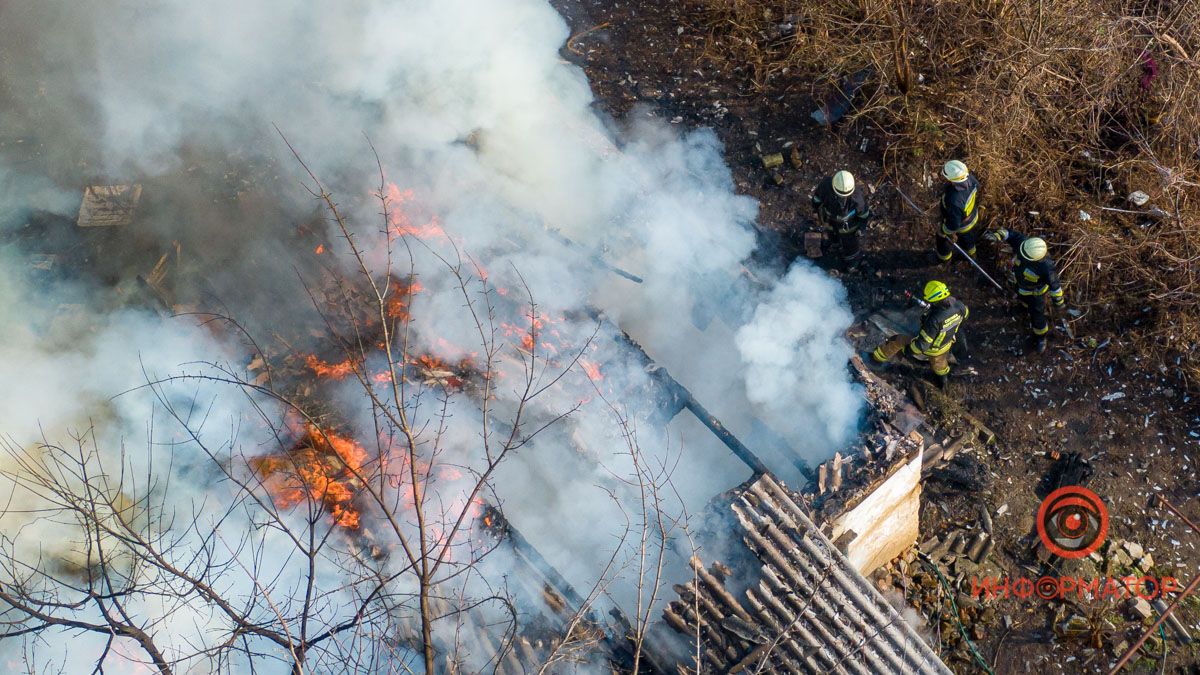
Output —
(1072, 522)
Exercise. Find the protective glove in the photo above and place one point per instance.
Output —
(961, 347)
(996, 235)
(953, 237)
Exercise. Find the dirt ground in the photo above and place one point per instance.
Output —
(1131, 419)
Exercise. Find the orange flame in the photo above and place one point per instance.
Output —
(319, 249)
(592, 370)
(430, 362)
(324, 470)
(542, 326)
(400, 221)
(333, 371)
(400, 297)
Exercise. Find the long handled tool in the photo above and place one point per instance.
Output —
(976, 265)
(953, 243)
(1064, 324)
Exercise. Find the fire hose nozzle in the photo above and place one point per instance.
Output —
(916, 299)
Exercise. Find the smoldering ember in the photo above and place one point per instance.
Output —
(595, 337)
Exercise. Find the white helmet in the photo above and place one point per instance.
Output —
(955, 171)
(1033, 249)
(843, 183)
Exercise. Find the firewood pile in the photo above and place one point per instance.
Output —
(809, 612)
(891, 440)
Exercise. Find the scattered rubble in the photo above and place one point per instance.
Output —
(838, 101)
(109, 205)
(1138, 608)
(773, 160)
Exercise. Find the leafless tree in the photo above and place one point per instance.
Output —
(295, 536)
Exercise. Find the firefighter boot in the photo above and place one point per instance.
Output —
(1038, 343)
(868, 359)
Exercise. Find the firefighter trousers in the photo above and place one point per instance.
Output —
(848, 244)
(846, 238)
(938, 363)
(1039, 324)
(967, 240)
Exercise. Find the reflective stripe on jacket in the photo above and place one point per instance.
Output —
(959, 212)
(1032, 277)
(939, 327)
(845, 214)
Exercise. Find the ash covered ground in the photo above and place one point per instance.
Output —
(1134, 421)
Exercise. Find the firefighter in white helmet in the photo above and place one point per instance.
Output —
(841, 208)
(1034, 277)
(960, 211)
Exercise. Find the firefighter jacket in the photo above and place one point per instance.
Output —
(959, 208)
(1033, 277)
(843, 214)
(939, 327)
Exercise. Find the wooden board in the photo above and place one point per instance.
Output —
(108, 205)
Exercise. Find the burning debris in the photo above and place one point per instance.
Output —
(323, 468)
(402, 356)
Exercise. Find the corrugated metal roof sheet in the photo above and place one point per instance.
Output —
(810, 611)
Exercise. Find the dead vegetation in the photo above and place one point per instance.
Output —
(1063, 109)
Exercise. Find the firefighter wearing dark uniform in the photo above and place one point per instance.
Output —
(841, 207)
(1034, 277)
(939, 329)
(960, 211)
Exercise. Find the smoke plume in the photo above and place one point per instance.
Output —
(491, 153)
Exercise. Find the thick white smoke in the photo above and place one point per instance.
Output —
(471, 108)
(793, 342)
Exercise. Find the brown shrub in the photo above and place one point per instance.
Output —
(1059, 107)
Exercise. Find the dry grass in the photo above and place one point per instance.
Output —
(1058, 107)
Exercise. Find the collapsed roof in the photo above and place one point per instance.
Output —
(810, 611)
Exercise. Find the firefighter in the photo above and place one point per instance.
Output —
(940, 325)
(960, 211)
(841, 208)
(1034, 277)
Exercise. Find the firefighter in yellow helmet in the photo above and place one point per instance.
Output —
(940, 325)
(1035, 279)
(960, 211)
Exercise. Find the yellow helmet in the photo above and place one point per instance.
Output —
(955, 171)
(843, 183)
(936, 291)
(1033, 249)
